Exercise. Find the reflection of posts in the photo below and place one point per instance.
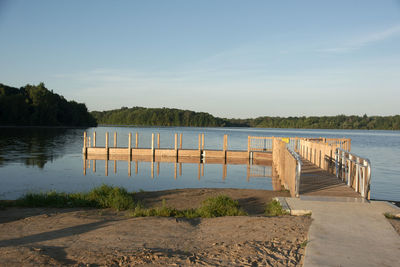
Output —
(94, 165)
(224, 171)
(248, 172)
(175, 164)
(152, 169)
(136, 167)
(202, 169)
(129, 167)
(84, 165)
(198, 170)
(158, 168)
(180, 169)
(106, 167)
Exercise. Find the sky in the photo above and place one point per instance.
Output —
(234, 59)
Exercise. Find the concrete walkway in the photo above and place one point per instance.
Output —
(348, 232)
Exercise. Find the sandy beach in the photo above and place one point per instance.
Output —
(93, 237)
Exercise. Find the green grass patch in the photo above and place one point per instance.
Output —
(100, 197)
(221, 205)
(274, 208)
(212, 207)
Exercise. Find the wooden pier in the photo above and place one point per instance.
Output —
(177, 154)
(304, 166)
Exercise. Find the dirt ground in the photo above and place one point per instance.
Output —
(92, 237)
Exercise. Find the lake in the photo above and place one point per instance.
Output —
(43, 159)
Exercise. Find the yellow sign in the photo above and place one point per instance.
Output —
(286, 140)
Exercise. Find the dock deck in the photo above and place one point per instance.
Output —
(315, 181)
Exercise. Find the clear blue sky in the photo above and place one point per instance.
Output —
(229, 58)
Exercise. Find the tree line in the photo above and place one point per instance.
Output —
(35, 105)
(141, 116)
(38, 106)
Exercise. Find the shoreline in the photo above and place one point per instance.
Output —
(81, 236)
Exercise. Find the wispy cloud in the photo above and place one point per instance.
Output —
(362, 41)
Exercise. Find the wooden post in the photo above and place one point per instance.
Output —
(158, 140)
(84, 143)
(137, 140)
(202, 141)
(130, 147)
(107, 146)
(115, 139)
(89, 141)
(199, 142)
(176, 147)
(94, 139)
(152, 149)
(180, 141)
(129, 167)
(225, 146)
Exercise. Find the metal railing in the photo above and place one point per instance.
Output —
(354, 170)
(298, 169)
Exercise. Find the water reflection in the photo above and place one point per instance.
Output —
(35, 146)
(255, 169)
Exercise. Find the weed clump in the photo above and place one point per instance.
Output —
(211, 207)
(274, 208)
(220, 206)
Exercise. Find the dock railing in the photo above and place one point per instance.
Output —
(288, 166)
(320, 154)
(355, 171)
(330, 156)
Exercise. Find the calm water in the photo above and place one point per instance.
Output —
(42, 159)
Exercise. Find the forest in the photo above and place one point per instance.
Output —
(35, 105)
(158, 117)
(141, 116)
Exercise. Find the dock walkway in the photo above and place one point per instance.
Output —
(315, 181)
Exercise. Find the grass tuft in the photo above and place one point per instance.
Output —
(221, 205)
(211, 207)
(274, 208)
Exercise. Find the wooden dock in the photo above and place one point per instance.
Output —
(315, 181)
(304, 166)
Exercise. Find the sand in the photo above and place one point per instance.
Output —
(92, 237)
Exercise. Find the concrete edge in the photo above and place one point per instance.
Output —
(286, 207)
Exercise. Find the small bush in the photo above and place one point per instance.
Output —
(274, 208)
(112, 197)
(220, 206)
